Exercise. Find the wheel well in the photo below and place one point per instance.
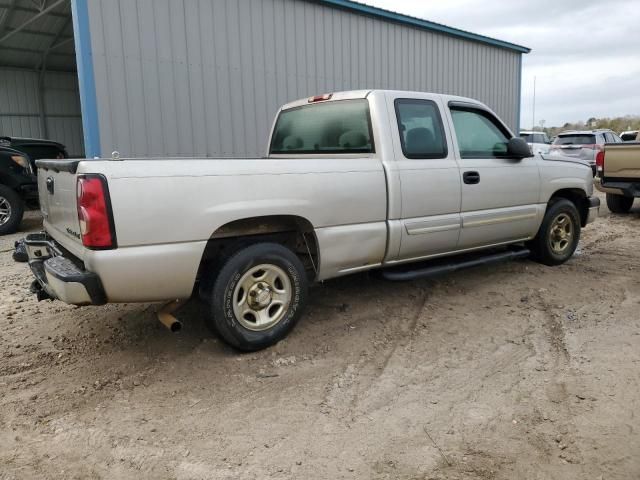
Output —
(576, 196)
(295, 233)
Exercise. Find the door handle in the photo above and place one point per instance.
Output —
(471, 178)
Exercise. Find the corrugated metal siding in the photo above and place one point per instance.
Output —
(20, 108)
(205, 77)
(19, 103)
(62, 107)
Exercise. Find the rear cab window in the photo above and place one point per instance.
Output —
(479, 133)
(575, 139)
(334, 127)
(421, 130)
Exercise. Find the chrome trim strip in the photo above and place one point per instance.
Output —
(417, 230)
(492, 221)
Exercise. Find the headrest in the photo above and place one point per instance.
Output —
(352, 139)
(292, 142)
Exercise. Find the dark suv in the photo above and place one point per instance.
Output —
(18, 188)
(18, 181)
(36, 148)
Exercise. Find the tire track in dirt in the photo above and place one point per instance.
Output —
(345, 389)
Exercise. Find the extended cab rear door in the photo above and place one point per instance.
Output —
(429, 176)
(499, 195)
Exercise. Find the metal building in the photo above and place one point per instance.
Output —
(205, 77)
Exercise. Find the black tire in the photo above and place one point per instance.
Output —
(242, 333)
(10, 200)
(542, 246)
(619, 203)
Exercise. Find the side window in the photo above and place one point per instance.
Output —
(479, 134)
(420, 127)
(609, 138)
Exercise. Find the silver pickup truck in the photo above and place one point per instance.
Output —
(352, 181)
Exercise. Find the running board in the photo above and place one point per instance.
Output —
(453, 265)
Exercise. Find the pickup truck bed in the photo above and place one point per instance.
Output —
(352, 181)
(618, 175)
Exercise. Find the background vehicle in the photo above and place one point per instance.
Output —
(352, 181)
(619, 175)
(18, 188)
(629, 136)
(538, 141)
(36, 149)
(585, 145)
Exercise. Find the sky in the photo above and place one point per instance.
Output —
(585, 55)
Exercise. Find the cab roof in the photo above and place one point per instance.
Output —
(361, 94)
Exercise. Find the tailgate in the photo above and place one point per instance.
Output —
(57, 191)
(622, 161)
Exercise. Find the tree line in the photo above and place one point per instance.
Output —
(617, 124)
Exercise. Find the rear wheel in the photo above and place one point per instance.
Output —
(258, 296)
(619, 203)
(11, 210)
(559, 234)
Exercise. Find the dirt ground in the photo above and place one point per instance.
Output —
(515, 371)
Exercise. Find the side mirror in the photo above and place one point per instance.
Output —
(518, 148)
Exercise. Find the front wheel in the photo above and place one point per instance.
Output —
(619, 204)
(11, 210)
(559, 234)
(258, 296)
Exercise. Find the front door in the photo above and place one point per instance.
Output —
(499, 195)
(429, 178)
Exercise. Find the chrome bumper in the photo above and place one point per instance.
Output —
(57, 276)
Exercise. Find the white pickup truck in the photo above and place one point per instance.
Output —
(352, 181)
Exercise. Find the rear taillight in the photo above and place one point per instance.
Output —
(94, 213)
(600, 161)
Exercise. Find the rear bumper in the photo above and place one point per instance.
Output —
(57, 276)
(594, 209)
(628, 189)
(29, 191)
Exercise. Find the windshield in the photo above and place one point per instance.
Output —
(629, 137)
(577, 139)
(329, 127)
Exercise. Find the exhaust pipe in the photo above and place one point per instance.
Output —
(166, 317)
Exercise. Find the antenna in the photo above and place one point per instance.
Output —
(533, 122)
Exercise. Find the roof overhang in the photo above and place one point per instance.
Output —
(37, 34)
(400, 18)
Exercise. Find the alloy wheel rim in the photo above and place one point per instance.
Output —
(262, 297)
(5, 210)
(561, 234)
